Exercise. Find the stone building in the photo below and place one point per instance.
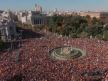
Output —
(38, 8)
(36, 17)
(7, 29)
(32, 17)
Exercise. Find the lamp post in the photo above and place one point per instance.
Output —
(17, 55)
(19, 45)
(20, 38)
(0, 46)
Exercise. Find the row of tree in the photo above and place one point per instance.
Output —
(74, 26)
(78, 26)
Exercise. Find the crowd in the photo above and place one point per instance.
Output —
(35, 64)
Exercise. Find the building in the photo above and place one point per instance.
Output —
(22, 17)
(101, 15)
(36, 17)
(32, 17)
(7, 29)
(91, 14)
(104, 16)
(1, 12)
(38, 8)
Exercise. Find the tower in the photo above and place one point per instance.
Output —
(38, 8)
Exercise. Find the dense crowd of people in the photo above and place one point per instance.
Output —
(34, 63)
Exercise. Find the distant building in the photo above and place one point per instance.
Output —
(1, 12)
(22, 16)
(104, 16)
(91, 14)
(36, 17)
(32, 17)
(38, 8)
(6, 14)
(101, 15)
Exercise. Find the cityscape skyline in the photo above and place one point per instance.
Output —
(76, 5)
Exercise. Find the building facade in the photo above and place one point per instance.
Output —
(7, 29)
(38, 8)
(32, 17)
(36, 17)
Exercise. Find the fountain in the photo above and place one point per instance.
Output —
(66, 53)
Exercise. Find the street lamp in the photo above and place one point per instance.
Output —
(20, 38)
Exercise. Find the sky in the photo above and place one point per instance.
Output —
(78, 5)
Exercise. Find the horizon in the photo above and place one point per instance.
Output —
(74, 5)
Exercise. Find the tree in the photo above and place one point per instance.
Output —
(88, 18)
(55, 23)
(95, 20)
(76, 26)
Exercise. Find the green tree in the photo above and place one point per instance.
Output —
(55, 23)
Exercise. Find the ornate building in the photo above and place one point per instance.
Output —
(38, 8)
(36, 17)
(7, 29)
